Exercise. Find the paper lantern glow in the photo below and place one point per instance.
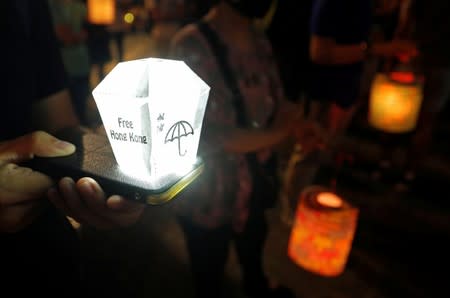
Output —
(101, 12)
(152, 110)
(395, 102)
(322, 233)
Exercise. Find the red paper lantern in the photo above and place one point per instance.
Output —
(322, 233)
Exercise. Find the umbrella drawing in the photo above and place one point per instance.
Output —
(177, 131)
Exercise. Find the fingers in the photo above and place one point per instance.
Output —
(37, 143)
(311, 136)
(74, 203)
(16, 217)
(85, 201)
(130, 211)
(20, 184)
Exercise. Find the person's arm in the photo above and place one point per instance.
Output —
(324, 50)
(239, 140)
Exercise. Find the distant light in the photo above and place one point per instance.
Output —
(101, 12)
(128, 18)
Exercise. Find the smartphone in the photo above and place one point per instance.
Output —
(94, 158)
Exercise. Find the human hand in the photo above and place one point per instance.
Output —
(310, 135)
(86, 202)
(397, 48)
(292, 120)
(21, 189)
(289, 114)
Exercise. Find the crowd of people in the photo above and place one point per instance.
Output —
(257, 79)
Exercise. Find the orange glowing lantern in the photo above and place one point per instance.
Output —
(395, 102)
(101, 12)
(322, 233)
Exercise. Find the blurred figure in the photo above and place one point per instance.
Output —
(168, 16)
(425, 22)
(291, 50)
(339, 45)
(118, 28)
(40, 249)
(99, 51)
(228, 203)
(69, 17)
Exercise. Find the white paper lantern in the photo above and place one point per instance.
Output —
(152, 110)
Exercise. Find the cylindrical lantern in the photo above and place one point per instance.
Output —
(322, 233)
(395, 102)
(101, 12)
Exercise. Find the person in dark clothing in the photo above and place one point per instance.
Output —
(339, 45)
(288, 33)
(98, 45)
(40, 249)
(430, 27)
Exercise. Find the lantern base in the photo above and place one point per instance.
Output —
(94, 158)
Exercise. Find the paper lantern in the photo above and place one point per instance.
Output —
(322, 233)
(101, 12)
(395, 102)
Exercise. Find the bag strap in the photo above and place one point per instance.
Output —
(221, 53)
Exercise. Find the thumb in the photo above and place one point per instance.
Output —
(38, 143)
(120, 203)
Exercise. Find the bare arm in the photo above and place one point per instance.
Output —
(249, 140)
(289, 118)
(324, 50)
(54, 113)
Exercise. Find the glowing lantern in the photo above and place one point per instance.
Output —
(322, 233)
(395, 102)
(152, 110)
(101, 12)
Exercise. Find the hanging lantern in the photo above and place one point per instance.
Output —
(101, 12)
(395, 102)
(322, 233)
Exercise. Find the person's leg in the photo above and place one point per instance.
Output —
(119, 41)
(435, 95)
(249, 248)
(339, 119)
(208, 251)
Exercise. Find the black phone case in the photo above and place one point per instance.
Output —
(94, 158)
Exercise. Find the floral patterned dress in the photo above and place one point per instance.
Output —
(223, 197)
